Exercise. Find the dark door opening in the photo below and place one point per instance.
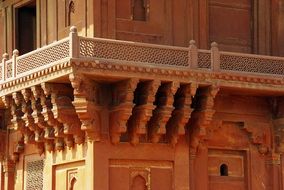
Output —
(26, 28)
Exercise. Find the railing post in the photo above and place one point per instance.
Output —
(74, 42)
(192, 55)
(4, 66)
(14, 62)
(215, 57)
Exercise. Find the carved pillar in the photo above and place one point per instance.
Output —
(4, 66)
(192, 55)
(121, 110)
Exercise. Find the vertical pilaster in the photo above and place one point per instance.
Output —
(201, 168)
(273, 171)
(9, 171)
(48, 179)
(89, 164)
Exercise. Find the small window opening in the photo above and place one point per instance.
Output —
(72, 183)
(26, 27)
(139, 10)
(70, 11)
(223, 170)
(139, 183)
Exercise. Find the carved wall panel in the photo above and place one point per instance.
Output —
(70, 176)
(34, 166)
(230, 24)
(140, 175)
(143, 21)
(227, 169)
(72, 13)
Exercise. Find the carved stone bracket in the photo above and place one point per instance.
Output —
(202, 116)
(16, 113)
(20, 147)
(163, 111)
(181, 113)
(122, 105)
(142, 112)
(87, 104)
(63, 109)
(277, 110)
(279, 135)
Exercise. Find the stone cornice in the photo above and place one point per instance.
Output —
(226, 79)
(59, 69)
(99, 67)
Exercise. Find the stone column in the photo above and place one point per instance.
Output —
(9, 171)
(201, 168)
(273, 171)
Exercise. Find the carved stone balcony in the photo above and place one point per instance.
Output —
(82, 87)
(60, 58)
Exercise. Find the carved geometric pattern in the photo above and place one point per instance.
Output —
(131, 52)
(9, 69)
(43, 57)
(1, 71)
(204, 60)
(34, 179)
(252, 64)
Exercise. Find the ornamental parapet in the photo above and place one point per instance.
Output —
(52, 61)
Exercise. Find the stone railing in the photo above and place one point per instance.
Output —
(24, 64)
(159, 55)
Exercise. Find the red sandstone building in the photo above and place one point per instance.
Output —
(126, 100)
